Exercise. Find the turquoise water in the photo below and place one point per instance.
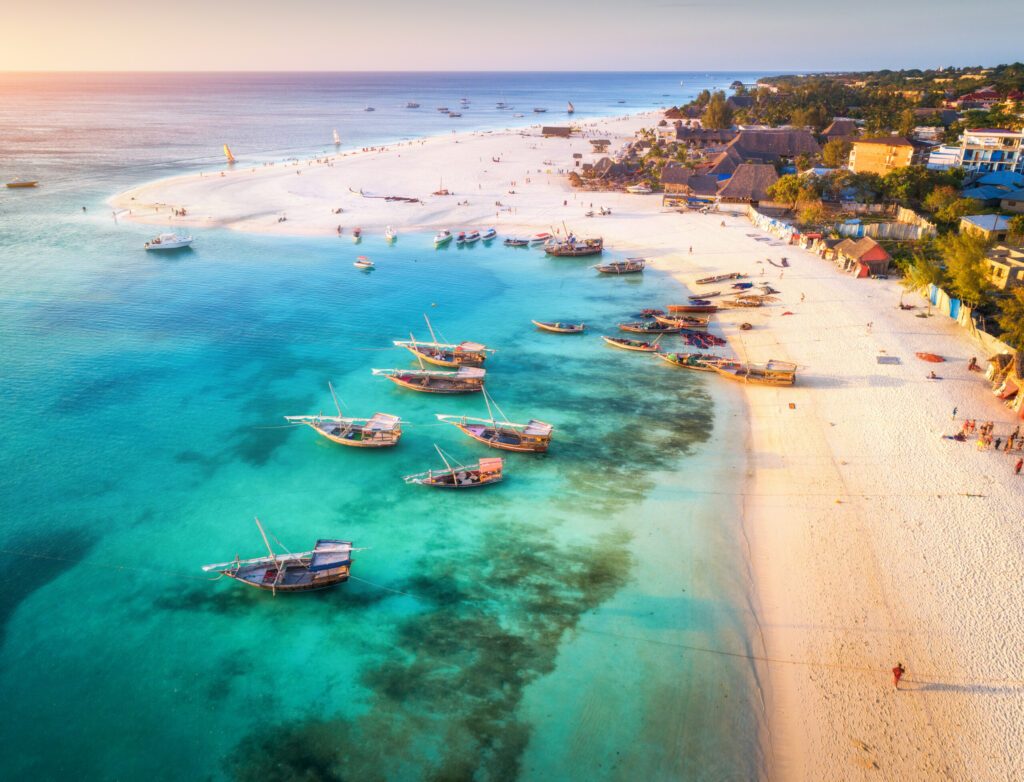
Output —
(534, 630)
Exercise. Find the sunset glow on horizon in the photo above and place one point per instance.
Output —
(530, 35)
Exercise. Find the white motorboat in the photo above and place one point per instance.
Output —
(489, 234)
(168, 242)
(442, 238)
(471, 237)
(390, 234)
(362, 262)
(639, 190)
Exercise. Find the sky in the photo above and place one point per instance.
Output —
(613, 35)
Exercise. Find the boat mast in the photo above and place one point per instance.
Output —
(335, 397)
(446, 463)
(433, 336)
(265, 541)
(416, 352)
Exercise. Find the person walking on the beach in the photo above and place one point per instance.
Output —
(897, 674)
(1018, 465)
(954, 412)
(870, 324)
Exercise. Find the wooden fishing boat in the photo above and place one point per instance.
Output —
(632, 344)
(574, 248)
(628, 266)
(559, 327)
(682, 308)
(460, 476)
(510, 242)
(720, 278)
(541, 238)
(23, 183)
(327, 565)
(531, 437)
(442, 354)
(380, 431)
(467, 380)
(700, 362)
(701, 296)
(646, 327)
(691, 322)
(774, 373)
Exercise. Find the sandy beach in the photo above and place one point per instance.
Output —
(871, 538)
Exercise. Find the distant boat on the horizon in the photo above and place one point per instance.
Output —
(369, 108)
(412, 105)
(337, 139)
(571, 109)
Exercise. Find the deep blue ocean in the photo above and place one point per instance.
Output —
(539, 629)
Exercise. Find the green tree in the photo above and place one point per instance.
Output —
(922, 272)
(836, 152)
(786, 189)
(907, 122)
(802, 162)
(909, 185)
(718, 114)
(703, 98)
(1011, 319)
(812, 213)
(1016, 227)
(958, 208)
(940, 198)
(964, 254)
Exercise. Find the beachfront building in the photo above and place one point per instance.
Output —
(943, 158)
(1013, 201)
(679, 180)
(991, 149)
(989, 227)
(749, 184)
(1004, 266)
(841, 128)
(766, 146)
(883, 155)
(862, 257)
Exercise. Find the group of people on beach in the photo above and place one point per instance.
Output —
(987, 439)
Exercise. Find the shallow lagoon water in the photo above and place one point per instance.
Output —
(536, 629)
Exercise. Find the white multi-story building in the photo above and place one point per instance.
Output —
(991, 149)
(944, 157)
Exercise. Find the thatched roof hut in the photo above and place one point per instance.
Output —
(749, 183)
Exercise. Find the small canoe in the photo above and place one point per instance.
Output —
(699, 362)
(720, 278)
(934, 358)
(646, 327)
(559, 327)
(628, 266)
(690, 322)
(632, 344)
(517, 242)
(692, 308)
(18, 183)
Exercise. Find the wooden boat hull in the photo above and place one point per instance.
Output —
(353, 442)
(436, 385)
(707, 308)
(694, 361)
(641, 347)
(312, 583)
(682, 322)
(21, 185)
(448, 358)
(756, 379)
(557, 328)
(574, 253)
(504, 439)
(634, 329)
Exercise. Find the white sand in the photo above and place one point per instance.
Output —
(871, 539)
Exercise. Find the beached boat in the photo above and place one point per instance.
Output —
(683, 308)
(168, 242)
(531, 437)
(559, 327)
(460, 476)
(227, 154)
(22, 183)
(574, 248)
(719, 278)
(628, 266)
(471, 237)
(380, 431)
(692, 322)
(441, 238)
(774, 373)
(647, 327)
(362, 262)
(510, 242)
(700, 362)
(390, 234)
(639, 189)
(632, 344)
(466, 380)
(541, 238)
(337, 139)
(488, 235)
(701, 297)
(325, 566)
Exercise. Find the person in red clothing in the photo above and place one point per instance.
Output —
(1017, 466)
(897, 674)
